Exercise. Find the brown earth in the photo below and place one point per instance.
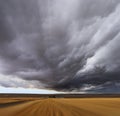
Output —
(60, 107)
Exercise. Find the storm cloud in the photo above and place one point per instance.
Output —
(66, 45)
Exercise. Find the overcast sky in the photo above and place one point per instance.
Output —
(63, 45)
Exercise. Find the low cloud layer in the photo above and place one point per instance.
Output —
(66, 45)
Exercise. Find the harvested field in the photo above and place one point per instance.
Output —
(60, 107)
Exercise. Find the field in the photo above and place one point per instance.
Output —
(48, 106)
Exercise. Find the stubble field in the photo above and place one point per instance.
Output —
(59, 106)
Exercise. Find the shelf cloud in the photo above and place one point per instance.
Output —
(64, 45)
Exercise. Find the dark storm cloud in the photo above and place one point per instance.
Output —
(59, 43)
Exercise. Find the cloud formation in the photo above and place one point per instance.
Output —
(60, 44)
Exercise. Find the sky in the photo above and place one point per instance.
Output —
(21, 90)
(60, 46)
